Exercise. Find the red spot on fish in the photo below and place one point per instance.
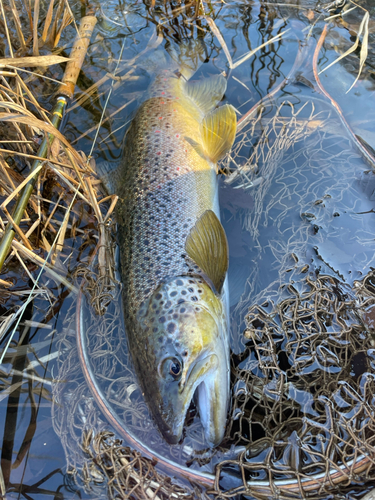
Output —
(159, 187)
(162, 93)
(165, 79)
(162, 102)
(158, 153)
(157, 131)
(185, 150)
(177, 97)
(177, 135)
(160, 117)
(178, 168)
(175, 110)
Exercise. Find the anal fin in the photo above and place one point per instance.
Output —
(218, 131)
(109, 173)
(207, 246)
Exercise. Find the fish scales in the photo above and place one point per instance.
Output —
(176, 320)
(167, 186)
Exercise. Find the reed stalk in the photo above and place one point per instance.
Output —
(64, 95)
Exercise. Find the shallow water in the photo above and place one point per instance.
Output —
(314, 201)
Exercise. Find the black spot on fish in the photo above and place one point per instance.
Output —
(194, 298)
(162, 319)
(171, 327)
(182, 310)
(179, 282)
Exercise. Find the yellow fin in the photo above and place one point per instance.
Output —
(207, 245)
(206, 93)
(218, 131)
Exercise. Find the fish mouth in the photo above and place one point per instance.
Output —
(206, 365)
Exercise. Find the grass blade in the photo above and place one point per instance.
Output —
(364, 49)
(17, 62)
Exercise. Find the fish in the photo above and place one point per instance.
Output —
(173, 248)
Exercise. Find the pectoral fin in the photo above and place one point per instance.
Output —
(207, 246)
(218, 131)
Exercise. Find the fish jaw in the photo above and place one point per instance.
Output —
(212, 397)
(191, 341)
(172, 412)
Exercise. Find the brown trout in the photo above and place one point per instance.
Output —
(174, 252)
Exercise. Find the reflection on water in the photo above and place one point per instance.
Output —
(299, 220)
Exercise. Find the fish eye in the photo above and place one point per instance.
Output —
(171, 367)
(175, 367)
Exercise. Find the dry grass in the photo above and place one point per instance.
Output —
(67, 194)
(23, 122)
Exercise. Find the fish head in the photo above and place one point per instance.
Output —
(187, 355)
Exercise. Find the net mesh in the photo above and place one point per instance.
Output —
(303, 374)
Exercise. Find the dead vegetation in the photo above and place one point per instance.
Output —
(66, 207)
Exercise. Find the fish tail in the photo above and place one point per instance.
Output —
(185, 57)
(188, 56)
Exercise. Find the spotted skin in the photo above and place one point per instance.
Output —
(166, 185)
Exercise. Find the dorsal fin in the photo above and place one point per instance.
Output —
(207, 246)
(218, 131)
(206, 93)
